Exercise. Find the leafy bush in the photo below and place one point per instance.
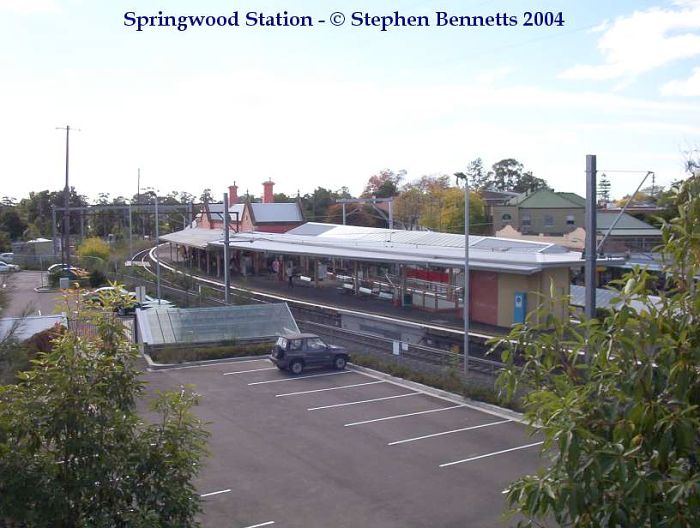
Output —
(450, 380)
(94, 247)
(75, 453)
(180, 354)
(617, 399)
(97, 278)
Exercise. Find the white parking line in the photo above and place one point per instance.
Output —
(328, 389)
(246, 371)
(404, 415)
(407, 440)
(491, 454)
(303, 377)
(363, 401)
(268, 523)
(215, 493)
(211, 363)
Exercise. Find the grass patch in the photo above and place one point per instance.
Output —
(450, 381)
(181, 354)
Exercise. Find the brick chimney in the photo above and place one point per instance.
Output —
(268, 196)
(232, 194)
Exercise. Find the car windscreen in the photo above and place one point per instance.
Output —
(282, 343)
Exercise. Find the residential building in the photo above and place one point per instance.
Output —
(266, 216)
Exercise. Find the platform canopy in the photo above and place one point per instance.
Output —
(425, 248)
(207, 325)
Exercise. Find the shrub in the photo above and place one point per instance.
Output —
(94, 247)
(180, 354)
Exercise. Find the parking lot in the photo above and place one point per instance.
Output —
(347, 449)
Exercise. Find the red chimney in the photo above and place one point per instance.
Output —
(232, 194)
(268, 197)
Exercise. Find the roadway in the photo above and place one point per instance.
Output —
(24, 299)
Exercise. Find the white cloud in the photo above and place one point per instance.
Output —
(28, 7)
(689, 87)
(644, 41)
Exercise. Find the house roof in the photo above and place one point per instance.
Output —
(268, 213)
(628, 225)
(262, 213)
(546, 199)
(573, 197)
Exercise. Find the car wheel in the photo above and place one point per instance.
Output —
(296, 367)
(339, 363)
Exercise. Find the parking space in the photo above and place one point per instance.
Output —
(346, 449)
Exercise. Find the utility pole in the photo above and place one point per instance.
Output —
(591, 229)
(65, 239)
(466, 276)
(227, 266)
(157, 256)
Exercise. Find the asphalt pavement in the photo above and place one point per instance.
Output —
(24, 299)
(347, 449)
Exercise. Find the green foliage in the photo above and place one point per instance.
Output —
(97, 278)
(94, 247)
(16, 356)
(450, 380)
(617, 400)
(385, 184)
(74, 452)
(5, 242)
(180, 354)
(510, 175)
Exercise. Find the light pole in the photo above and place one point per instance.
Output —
(465, 302)
(157, 258)
(466, 276)
(65, 244)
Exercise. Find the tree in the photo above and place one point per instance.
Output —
(604, 189)
(383, 185)
(11, 222)
(617, 399)
(94, 247)
(478, 179)
(355, 214)
(510, 175)
(74, 452)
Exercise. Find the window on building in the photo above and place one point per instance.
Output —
(525, 220)
(570, 220)
(506, 217)
(548, 221)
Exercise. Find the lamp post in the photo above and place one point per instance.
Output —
(466, 271)
(157, 258)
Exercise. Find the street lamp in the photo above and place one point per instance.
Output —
(157, 258)
(466, 276)
(461, 175)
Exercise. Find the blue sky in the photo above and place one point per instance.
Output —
(330, 106)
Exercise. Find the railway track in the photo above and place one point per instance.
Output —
(325, 320)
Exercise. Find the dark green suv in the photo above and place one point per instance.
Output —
(296, 352)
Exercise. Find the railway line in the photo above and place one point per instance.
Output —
(325, 320)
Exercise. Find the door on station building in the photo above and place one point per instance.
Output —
(483, 297)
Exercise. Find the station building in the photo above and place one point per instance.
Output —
(421, 270)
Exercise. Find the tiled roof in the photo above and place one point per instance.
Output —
(546, 199)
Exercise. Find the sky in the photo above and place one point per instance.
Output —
(332, 105)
